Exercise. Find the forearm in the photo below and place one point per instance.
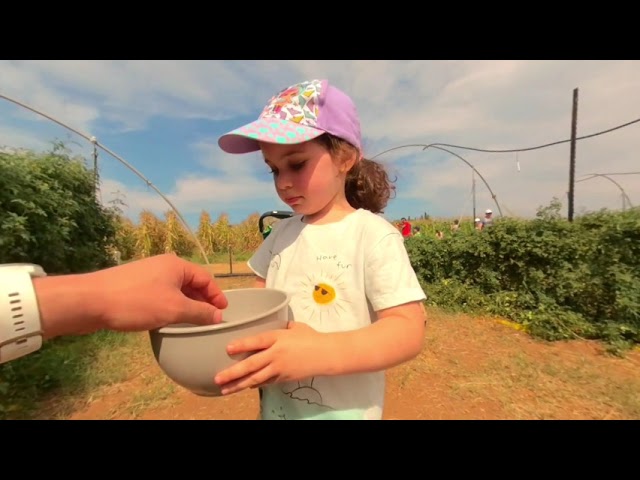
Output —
(68, 304)
(386, 343)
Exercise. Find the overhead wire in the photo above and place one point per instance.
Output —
(538, 147)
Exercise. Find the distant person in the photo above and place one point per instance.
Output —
(487, 221)
(455, 226)
(416, 231)
(406, 227)
(479, 225)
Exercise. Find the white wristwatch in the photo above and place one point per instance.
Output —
(20, 326)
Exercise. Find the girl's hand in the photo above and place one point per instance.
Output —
(293, 354)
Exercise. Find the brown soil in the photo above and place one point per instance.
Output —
(470, 368)
(224, 268)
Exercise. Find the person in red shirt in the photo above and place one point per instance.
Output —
(406, 227)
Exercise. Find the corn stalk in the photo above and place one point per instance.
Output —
(206, 233)
(150, 235)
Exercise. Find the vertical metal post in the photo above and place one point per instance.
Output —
(572, 159)
(473, 189)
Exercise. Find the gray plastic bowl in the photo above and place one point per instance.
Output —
(192, 355)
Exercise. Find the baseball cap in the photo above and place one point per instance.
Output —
(297, 114)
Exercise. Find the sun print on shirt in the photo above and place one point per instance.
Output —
(323, 297)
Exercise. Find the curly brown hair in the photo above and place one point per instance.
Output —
(368, 184)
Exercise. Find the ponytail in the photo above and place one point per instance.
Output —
(368, 185)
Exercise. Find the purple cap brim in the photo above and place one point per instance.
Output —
(269, 130)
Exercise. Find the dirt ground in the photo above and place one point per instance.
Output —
(470, 368)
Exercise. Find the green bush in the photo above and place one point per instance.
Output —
(560, 279)
(49, 213)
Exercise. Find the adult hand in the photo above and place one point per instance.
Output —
(140, 295)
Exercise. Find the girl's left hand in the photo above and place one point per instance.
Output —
(282, 356)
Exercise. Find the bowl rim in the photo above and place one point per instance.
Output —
(224, 326)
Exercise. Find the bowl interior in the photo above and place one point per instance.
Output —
(245, 305)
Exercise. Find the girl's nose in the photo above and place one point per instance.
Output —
(283, 181)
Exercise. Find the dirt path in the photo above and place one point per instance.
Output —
(470, 368)
(225, 269)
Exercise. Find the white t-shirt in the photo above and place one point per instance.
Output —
(339, 275)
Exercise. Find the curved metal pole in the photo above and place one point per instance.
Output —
(594, 175)
(398, 148)
(433, 145)
(493, 195)
(124, 162)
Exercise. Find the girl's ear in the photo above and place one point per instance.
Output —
(347, 165)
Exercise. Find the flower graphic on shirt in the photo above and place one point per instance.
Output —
(322, 297)
(324, 294)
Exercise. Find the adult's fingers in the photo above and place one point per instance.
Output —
(200, 312)
(199, 279)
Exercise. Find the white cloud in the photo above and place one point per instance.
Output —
(235, 168)
(129, 93)
(191, 195)
(28, 87)
(18, 138)
(485, 104)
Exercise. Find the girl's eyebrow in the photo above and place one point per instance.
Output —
(293, 151)
(286, 156)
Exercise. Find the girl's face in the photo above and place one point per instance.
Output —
(307, 178)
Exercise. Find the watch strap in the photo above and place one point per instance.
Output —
(20, 326)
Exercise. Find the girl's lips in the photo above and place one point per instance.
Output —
(292, 200)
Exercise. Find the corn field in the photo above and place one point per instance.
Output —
(220, 239)
(153, 236)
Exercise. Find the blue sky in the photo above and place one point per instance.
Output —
(164, 118)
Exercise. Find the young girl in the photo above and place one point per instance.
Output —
(356, 302)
